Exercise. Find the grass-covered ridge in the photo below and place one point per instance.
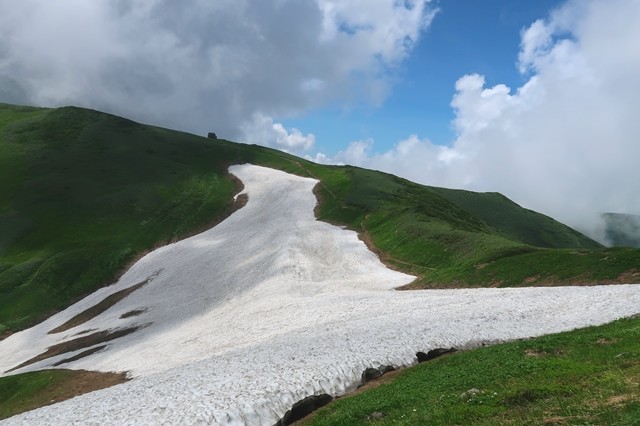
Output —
(455, 238)
(83, 193)
(588, 376)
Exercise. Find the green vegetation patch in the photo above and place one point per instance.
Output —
(83, 193)
(455, 238)
(28, 391)
(587, 376)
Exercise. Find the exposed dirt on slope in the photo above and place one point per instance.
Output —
(79, 343)
(99, 308)
(73, 383)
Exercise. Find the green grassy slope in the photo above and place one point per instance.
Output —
(588, 376)
(514, 222)
(83, 193)
(460, 238)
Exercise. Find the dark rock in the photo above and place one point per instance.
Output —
(386, 369)
(434, 353)
(303, 408)
(372, 373)
(212, 135)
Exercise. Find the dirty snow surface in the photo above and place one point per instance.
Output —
(271, 306)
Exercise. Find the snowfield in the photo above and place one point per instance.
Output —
(271, 306)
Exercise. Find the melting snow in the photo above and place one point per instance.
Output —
(271, 306)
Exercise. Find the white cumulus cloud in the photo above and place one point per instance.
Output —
(262, 130)
(566, 141)
(201, 65)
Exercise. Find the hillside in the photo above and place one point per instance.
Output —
(236, 324)
(84, 193)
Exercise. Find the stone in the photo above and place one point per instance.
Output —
(370, 374)
(373, 373)
(303, 408)
(434, 353)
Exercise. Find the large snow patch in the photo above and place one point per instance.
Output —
(271, 306)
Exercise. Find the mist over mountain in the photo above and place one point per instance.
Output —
(622, 230)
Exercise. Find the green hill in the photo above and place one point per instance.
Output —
(513, 222)
(83, 194)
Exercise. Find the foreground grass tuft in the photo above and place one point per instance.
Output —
(586, 376)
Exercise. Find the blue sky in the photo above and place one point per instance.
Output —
(464, 37)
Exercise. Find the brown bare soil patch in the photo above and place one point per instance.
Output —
(79, 343)
(535, 354)
(557, 420)
(133, 313)
(99, 308)
(80, 355)
(630, 277)
(85, 331)
(72, 383)
(620, 400)
(532, 353)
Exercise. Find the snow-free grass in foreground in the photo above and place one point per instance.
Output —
(271, 306)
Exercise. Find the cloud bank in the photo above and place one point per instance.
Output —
(201, 65)
(565, 143)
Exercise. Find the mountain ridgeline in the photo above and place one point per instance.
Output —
(83, 194)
